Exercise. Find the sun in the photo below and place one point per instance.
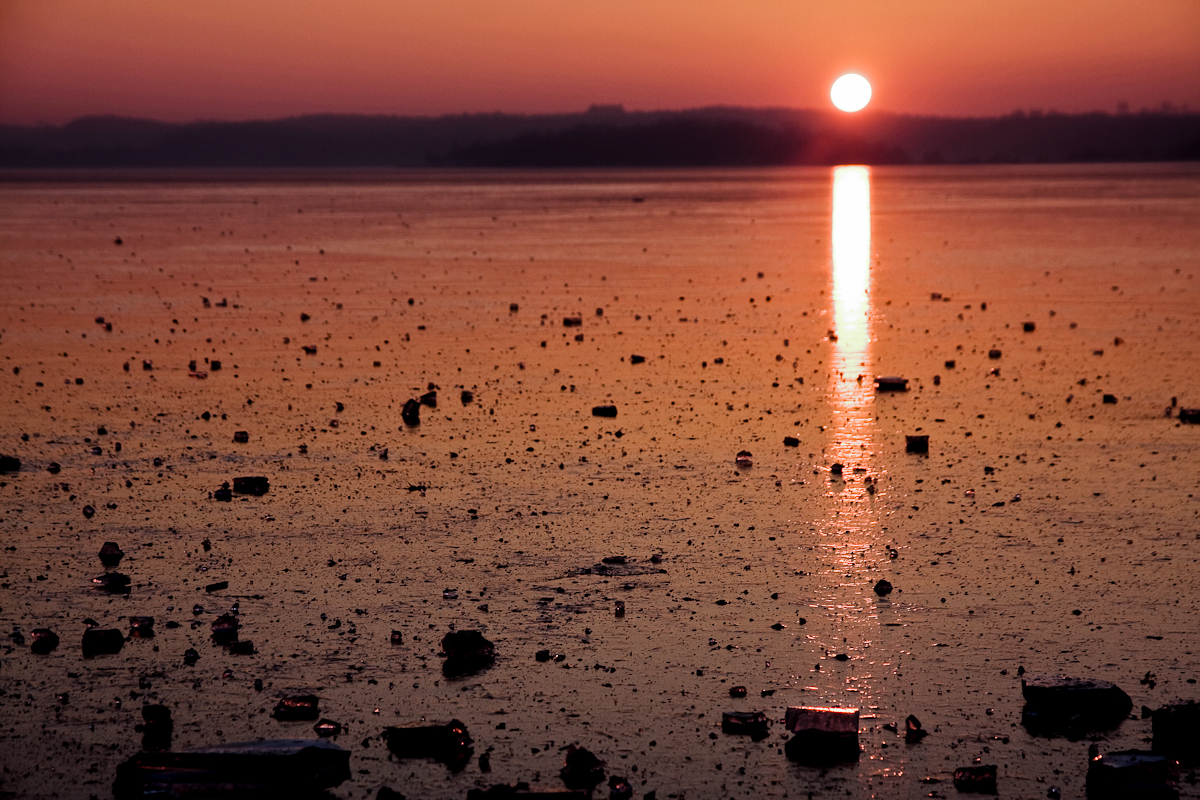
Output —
(851, 92)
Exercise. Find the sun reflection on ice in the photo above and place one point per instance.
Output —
(851, 385)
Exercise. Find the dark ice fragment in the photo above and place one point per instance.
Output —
(157, 728)
(913, 732)
(503, 791)
(619, 789)
(296, 707)
(111, 554)
(980, 779)
(1060, 704)
(466, 652)
(251, 484)
(411, 414)
(113, 583)
(44, 641)
(745, 723)
(917, 443)
(102, 641)
(225, 629)
(1132, 773)
(891, 383)
(581, 769)
(141, 627)
(448, 744)
(1176, 730)
(327, 727)
(272, 768)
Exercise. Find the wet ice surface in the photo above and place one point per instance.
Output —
(1092, 572)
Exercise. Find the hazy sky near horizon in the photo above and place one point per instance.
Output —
(184, 60)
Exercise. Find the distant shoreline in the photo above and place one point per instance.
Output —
(603, 137)
(388, 176)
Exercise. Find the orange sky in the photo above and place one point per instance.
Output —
(244, 59)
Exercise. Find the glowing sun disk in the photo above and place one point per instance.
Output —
(850, 92)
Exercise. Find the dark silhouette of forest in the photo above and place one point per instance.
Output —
(604, 136)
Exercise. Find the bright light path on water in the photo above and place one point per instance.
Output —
(851, 382)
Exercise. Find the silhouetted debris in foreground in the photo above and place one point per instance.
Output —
(913, 732)
(466, 652)
(1190, 416)
(251, 484)
(448, 744)
(113, 583)
(1132, 773)
(225, 629)
(10, 464)
(745, 723)
(822, 735)
(891, 383)
(156, 728)
(99, 642)
(327, 727)
(276, 768)
(1059, 704)
(604, 411)
(980, 779)
(917, 443)
(411, 414)
(581, 769)
(44, 641)
(297, 707)
(141, 627)
(1176, 731)
(883, 588)
(503, 791)
(111, 554)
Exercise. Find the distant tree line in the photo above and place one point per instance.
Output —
(605, 136)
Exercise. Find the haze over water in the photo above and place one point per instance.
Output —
(765, 304)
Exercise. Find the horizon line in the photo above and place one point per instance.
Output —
(612, 110)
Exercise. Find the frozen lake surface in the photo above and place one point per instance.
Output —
(1046, 529)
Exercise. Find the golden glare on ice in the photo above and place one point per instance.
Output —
(851, 389)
